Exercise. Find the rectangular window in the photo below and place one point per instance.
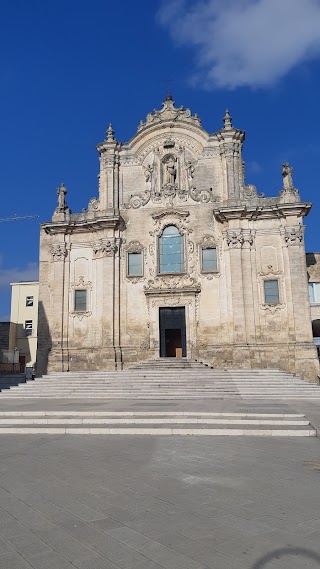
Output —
(271, 292)
(29, 301)
(135, 264)
(314, 293)
(80, 300)
(28, 327)
(209, 260)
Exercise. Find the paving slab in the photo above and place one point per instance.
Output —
(145, 502)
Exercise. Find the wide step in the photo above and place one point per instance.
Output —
(167, 380)
(157, 423)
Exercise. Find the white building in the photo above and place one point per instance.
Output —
(24, 321)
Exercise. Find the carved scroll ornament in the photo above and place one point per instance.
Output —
(59, 251)
(293, 235)
(104, 248)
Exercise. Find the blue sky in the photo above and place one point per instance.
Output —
(69, 68)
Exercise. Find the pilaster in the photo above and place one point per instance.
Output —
(109, 171)
(230, 142)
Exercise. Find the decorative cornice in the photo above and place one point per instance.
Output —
(81, 224)
(277, 210)
(170, 212)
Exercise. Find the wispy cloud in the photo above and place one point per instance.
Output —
(253, 167)
(29, 273)
(238, 43)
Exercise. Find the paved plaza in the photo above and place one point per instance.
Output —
(94, 502)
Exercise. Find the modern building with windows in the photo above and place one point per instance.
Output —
(24, 321)
(176, 257)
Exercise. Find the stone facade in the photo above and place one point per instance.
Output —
(174, 174)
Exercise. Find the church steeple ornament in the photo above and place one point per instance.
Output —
(110, 133)
(227, 120)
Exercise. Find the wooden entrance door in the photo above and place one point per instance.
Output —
(172, 327)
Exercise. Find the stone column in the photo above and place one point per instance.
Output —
(247, 283)
(234, 239)
(304, 350)
(109, 171)
(228, 150)
(58, 254)
(66, 307)
(116, 304)
(293, 237)
(116, 182)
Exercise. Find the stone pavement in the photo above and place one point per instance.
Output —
(160, 502)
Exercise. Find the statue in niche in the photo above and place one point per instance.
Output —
(170, 170)
(287, 176)
(190, 170)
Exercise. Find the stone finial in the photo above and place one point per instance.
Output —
(110, 133)
(227, 120)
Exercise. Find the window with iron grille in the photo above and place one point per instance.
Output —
(28, 327)
(29, 301)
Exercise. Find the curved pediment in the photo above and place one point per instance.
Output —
(167, 126)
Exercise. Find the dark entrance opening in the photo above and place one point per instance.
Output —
(172, 325)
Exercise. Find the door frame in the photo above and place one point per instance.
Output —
(174, 321)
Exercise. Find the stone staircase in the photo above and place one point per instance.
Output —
(167, 379)
(9, 380)
(154, 423)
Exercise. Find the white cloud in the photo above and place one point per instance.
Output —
(253, 167)
(29, 273)
(244, 42)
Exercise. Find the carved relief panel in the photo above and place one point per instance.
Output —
(169, 169)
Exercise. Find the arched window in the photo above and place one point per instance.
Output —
(171, 251)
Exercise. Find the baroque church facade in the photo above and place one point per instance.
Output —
(176, 257)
